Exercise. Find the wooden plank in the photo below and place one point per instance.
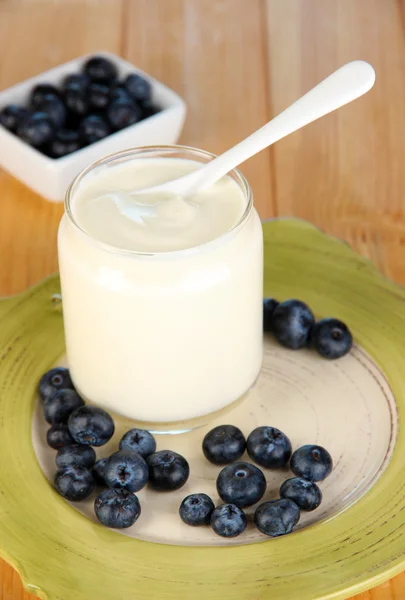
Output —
(212, 52)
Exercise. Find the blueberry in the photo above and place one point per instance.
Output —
(40, 91)
(65, 142)
(59, 406)
(91, 425)
(313, 463)
(99, 470)
(76, 81)
(292, 323)
(276, 517)
(167, 470)
(123, 113)
(126, 470)
(305, 494)
(119, 92)
(331, 338)
(94, 128)
(138, 87)
(269, 306)
(74, 483)
(12, 115)
(58, 436)
(77, 101)
(148, 109)
(140, 441)
(54, 107)
(241, 483)
(37, 129)
(99, 96)
(76, 455)
(117, 508)
(224, 444)
(196, 509)
(269, 447)
(101, 69)
(227, 520)
(54, 380)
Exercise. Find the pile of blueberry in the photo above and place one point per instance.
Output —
(293, 325)
(88, 107)
(76, 429)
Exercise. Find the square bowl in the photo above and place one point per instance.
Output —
(51, 177)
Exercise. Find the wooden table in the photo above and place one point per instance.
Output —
(237, 63)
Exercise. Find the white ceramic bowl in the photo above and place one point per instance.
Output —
(51, 177)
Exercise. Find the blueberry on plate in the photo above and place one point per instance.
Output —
(76, 81)
(117, 508)
(12, 115)
(269, 447)
(241, 483)
(54, 380)
(292, 322)
(37, 129)
(59, 406)
(99, 96)
(101, 69)
(140, 441)
(138, 87)
(75, 455)
(126, 470)
(40, 91)
(77, 101)
(123, 113)
(119, 92)
(269, 306)
(228, 520)
(74, 483)
(305, 494)
(91, 425)
(148, 109)
(54, 107)
(331, 338)
(58, 436)
(310, 462)
(94, 128)
(224, 444)
(167, 470)
(65, 142)
(277, 517)
(196, 509)
(99, 470)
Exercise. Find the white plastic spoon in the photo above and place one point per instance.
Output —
(341, 87)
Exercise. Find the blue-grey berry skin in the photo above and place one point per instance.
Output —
(228, 520)
(269, 306)
(126, 470)
(59, 406)
(58, 436)
(269, 447)
(117, 508)
(140, 441)
(292, 323)
(54, 380)
(305, 494)
(241, 484)
(76, 455)
(310, 462)
(196, 509)
(277, 517)
(99, 471)
(224, 444)
(91, 425)
(331, 338)
(168, 470)
(74, 483)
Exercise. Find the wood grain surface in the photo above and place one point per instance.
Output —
(237, 63)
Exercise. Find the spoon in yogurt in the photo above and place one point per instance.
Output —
(341, 87)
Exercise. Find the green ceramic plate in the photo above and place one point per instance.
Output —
(62, 555)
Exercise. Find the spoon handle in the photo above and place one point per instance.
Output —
(341, 87)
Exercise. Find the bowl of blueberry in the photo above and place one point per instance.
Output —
(57, 123)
